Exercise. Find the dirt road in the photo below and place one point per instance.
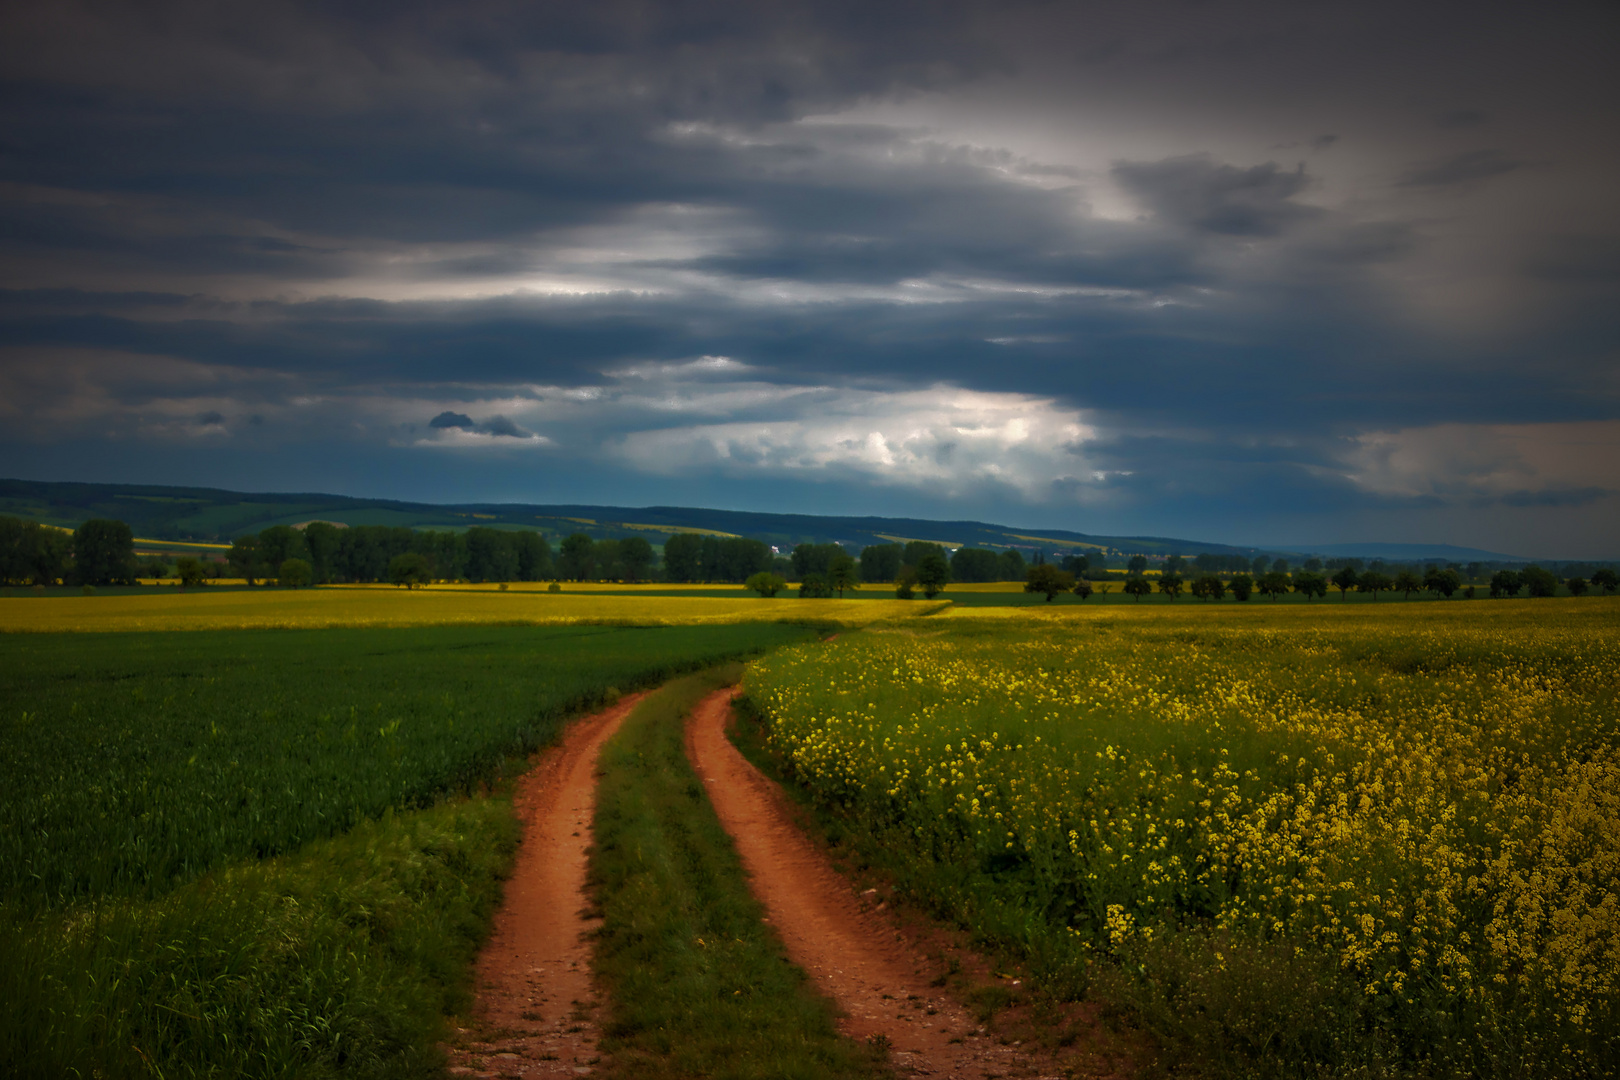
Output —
(855, 956)
(535, 1010)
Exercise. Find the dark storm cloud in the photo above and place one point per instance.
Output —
(428, 210)
(1200, 193)
(1468, 167)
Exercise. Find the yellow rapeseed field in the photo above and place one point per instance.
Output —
(1430, 794)
(203, 609)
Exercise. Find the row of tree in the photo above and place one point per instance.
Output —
(98, 552)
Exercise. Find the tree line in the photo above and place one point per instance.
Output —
(98, 552)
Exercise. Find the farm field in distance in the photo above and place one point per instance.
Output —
(1291, 840)
(252, 851)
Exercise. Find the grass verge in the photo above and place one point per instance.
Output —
(340, 959)
(698, 985)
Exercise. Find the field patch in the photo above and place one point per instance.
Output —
(1380, 838)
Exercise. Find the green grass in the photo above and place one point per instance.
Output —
(248, 854)
(698, 987)
(135, 762)
(340, 960)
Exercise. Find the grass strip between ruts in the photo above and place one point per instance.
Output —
(697, 984)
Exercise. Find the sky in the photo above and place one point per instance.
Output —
(1257, 273)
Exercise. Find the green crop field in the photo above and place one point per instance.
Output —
(229, 853)
(1290, 841)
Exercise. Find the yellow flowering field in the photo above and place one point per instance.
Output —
(203, 609)
(1423, 801)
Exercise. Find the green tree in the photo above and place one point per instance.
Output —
(578, 557)
(905, 583)
(191, 571)
(1345, 580)
(1505, 583)
(245, 559)
(917, 550)
(491, 555)
(637, 557)
(683, 557)
(814, 587)
(1242, 586)
(1606, 579)
(1310, 583)
(279, 543)
(1538, 581)
(294, 573)
(1010, 566)
(1375, 582)
(1208, 587)
(325, 542)
(842, 574)
(1137, 565)
(1170, 584)
(1083, 588)
(933, 572)
(104, 553)
(880, 562)
(1273, 583)
(1576, 586)
(1049, 580)
(765, 583)
(1138, 587)
(1407, 582)
(974, 564)
(410, 569)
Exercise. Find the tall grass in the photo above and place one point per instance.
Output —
(697, 986)
(134, 762)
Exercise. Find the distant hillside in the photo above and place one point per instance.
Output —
(1412, 552)
(215, 515)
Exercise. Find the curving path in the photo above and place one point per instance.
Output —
(854, 956)
(535, 1009)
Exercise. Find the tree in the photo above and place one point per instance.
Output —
(1310, 583)
(933, 572)
(1505, 583)
(842, 574)
(1170, 584)
(1446, 582)
(191, 571)
(765, 583)
(1208, 587)
(637, 558)
(1077, 565)
(1262, 563)
(683, 557)
(1345, 580)
(1314, 565)
(324, 541)
(1010, 566)
(1606, 580)
(880, 562)
(294, 572)
(534, 555)
(917, 550)
(1137, 587)
(814, 587)
(245, 559)
(974, 564)
(1137, 565)
(1576, 586)
(1408, 583)
(279, 543)
(1538, 581)
(578, 557)
(491, 555)
(905, 583)
(1083, 589)
(33, 554)
(410, 569)
(1242, 586)
(1049, 580)
(1273, 583)
(608, 565)
(1375, 582)
(104, 553)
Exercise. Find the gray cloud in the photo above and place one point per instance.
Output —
(1468, 167)
(1198, 192)
(448, 419)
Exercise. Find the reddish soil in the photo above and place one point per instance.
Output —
(536, 1003)
(879, 973)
